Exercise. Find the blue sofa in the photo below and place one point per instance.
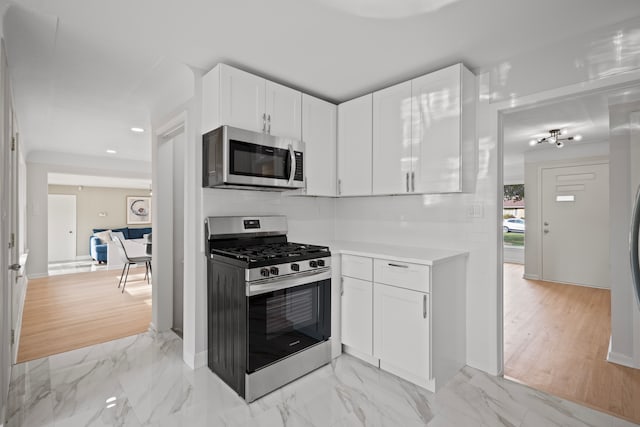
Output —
(98, 248)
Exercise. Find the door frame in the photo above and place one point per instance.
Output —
(494, 114)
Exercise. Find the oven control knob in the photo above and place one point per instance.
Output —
(264, 272)
(313, 264)
(275, 271)
(295, 267)
(320, 263)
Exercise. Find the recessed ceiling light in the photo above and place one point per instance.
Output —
(111, 151)
(137, 130)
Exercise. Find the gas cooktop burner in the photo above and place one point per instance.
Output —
(272, 251)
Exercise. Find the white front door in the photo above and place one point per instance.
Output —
(62, 227)
(575, 225)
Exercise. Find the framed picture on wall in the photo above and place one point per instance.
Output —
(138, 210)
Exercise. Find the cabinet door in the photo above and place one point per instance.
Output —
(319, 134)
(436, 110)
(401, 329)
(357, 318)
(392, 139)
(354, 147)
(242, 99)
(284, 111)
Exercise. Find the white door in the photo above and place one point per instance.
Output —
(357, 318)
(242, 102)
(284, 111)
(575, 225)
(436, 132)
(62, 227)
(354, 146)
(392, 139)
(319, 135)
(401, 329)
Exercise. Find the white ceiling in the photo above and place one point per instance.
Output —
(97, 181)
(586, 115)
(85, 71)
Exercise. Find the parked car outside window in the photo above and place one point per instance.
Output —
(513, 225)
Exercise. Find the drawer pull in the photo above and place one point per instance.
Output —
(398, 265)
(424, 306)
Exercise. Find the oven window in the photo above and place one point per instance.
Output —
(286, 321)
(258, 160)
(289, 311)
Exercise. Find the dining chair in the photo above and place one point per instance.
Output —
(130, 260)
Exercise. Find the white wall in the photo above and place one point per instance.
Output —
(38, 167)
(625, 325)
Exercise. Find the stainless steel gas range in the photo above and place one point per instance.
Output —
(269, 304)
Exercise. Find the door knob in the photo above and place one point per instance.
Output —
(70, 232)
(546, 231)
(15, 267)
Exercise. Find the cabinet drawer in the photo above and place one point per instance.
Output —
(402, 274)
(358, 267)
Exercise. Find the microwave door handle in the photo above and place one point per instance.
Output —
(292, 165)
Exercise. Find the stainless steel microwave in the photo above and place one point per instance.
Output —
(238, 158)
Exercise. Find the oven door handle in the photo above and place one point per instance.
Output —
(269, 285)
(292, 165)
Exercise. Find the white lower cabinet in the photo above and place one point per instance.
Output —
(401, 335)
(407, 318)
(357, 315)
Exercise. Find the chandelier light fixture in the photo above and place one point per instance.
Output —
(555, 137)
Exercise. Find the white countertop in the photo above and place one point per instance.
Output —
(417, 255)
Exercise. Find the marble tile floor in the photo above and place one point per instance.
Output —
(77, 266)
(142, 381)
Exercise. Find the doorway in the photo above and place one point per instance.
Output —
(170, 203)
(557, 301)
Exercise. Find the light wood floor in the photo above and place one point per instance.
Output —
(63, 313)
(556, 339)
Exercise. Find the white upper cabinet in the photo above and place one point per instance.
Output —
(236, 98)
(319, 133)
(354, 146)
(284, 110)
(392, 122)
(444, 130)
(242, 100)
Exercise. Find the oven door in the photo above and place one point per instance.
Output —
(287, 320)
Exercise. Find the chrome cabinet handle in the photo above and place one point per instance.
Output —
(398, 265)
(264, 122)
(342, 286)
(269, 123)
(424, 306)
(413, 181)
(407, 181)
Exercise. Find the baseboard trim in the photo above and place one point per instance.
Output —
(37, 275)
(620, 359)
(201, 359)
(531, 276)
